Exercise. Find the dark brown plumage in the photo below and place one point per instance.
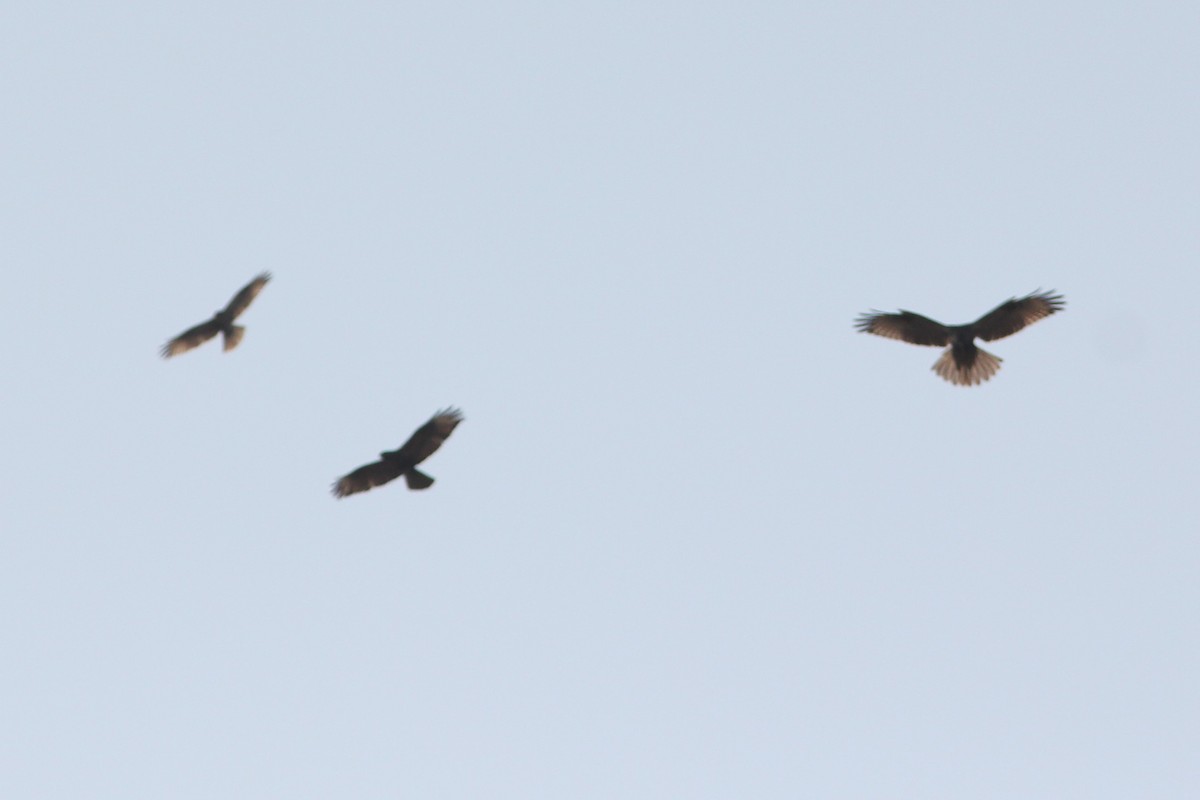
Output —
(964, 364)
(221, 322)
(393, 463)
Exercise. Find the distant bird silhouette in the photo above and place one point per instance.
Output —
(963, 363)
(393, 463)
(222, 322)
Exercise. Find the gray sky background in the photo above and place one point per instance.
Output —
(697, 537)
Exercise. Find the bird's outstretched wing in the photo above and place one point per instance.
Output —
(242, 300)
(1013, 315)
(905, 326)
(368, 476)
(191, 338)
(429, 437)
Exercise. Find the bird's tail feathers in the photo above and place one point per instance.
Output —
(233, 336)
(417, 479)
(982, 367)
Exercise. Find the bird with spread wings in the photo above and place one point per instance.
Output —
(393, 463)
(221, 322)
(964, 364)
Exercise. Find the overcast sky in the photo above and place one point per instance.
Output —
(697, 537)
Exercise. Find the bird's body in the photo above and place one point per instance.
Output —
(221, 322)
(424, 442)
(963, 363)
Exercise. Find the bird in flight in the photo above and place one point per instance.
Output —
(964, 364)
(393, 463)
(221, 322)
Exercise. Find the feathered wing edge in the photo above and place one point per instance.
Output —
(245, 296)
(366, 477)
(427, 439)
(1015, 314)
(905, 326)
(191, 338)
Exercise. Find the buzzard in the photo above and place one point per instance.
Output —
(963, 363)
(221, 322)
(393, 463)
